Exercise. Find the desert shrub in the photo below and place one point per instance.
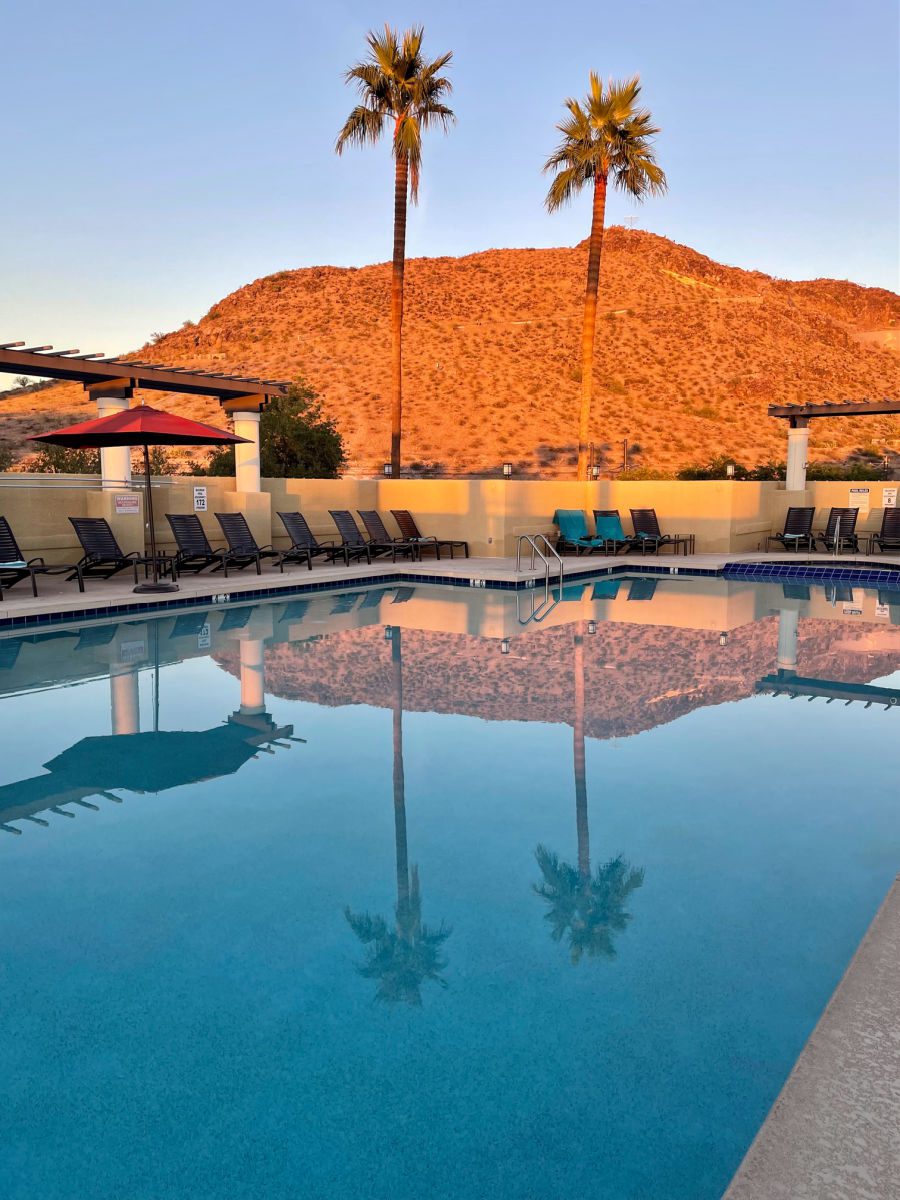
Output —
(296, 440)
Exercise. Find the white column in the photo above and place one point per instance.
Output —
(253, 677)
(246, 454)
(788, 626)
(124, 699)
(798, 448)
(115, 461)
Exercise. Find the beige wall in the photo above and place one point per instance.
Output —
(488, 513)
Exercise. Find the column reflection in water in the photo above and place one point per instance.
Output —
(587, 909)
(403, 957)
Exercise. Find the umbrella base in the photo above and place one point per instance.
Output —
(156, 587)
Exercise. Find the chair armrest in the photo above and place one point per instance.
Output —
(35, 562)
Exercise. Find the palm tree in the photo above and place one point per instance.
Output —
(606, 135)
(408, 955)
(398, 87)
(589, 907)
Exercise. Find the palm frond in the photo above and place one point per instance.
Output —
(362, 127)
(605, 135)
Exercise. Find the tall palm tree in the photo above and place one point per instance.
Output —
(589, 907)
(605, 136)
(400, 89)
(404, 957)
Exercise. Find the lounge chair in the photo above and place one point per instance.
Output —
(888, 538)
(608, 525)
(410, 531)
(242, 542)
(14, 566)
(303, 538)
(194, 551)
(103, 557)
(648, 535)
(379, 534)
(797, 530)
(846, 539)
(573, 533)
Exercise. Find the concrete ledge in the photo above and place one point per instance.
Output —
(834, 1132)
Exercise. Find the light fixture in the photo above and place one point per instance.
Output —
(388, 468)
(388, 633)
(504, 646)
(507, 470)
(595, 470)
(723, 639)
(729, 470)
(592, 626)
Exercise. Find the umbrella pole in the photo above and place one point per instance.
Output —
(156, 585)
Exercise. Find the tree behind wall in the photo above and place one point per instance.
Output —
(296, 440)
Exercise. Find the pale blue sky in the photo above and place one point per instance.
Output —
(157, 156)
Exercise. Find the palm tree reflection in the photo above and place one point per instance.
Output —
(402, 957)
(587, 908)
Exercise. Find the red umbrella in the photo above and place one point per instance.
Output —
(140, 426)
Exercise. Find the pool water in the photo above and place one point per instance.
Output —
(401, 894)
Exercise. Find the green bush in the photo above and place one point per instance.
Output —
(296, 440)
(60, 460)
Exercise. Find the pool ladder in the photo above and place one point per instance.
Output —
(549, 601)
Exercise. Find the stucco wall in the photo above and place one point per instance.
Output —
(489, 513)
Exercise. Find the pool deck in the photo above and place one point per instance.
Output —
(57, 597)
(834, 1131)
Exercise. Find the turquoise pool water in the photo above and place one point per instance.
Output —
(529, 911)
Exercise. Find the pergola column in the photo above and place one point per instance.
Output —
(124, 699)
(253, 677)
(788, 628)
(115, 461)
(797, 453)
(246, 454)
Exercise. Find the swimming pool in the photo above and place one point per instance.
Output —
(401, 893)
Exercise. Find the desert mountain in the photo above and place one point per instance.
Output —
(689, 354)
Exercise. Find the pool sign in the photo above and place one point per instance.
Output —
(859, 498)
(199, 499)
(889, 497)
(127, 504)
(204, 637)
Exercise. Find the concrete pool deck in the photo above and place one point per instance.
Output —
(834, 1131)
(59, 598)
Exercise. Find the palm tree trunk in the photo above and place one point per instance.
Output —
(400, 846)
(401, 180)
(581, 810)
(589, 324)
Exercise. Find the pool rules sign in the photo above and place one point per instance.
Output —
(199, 499)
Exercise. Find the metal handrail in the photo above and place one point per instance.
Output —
(531, 539)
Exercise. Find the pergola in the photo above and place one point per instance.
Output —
(798, 417)
(111, 382)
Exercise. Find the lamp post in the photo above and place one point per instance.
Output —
(388, 469)
(507, 470)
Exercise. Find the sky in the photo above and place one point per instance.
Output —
(156, 157)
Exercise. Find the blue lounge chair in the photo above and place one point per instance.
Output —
(609, 527)
(573, 533)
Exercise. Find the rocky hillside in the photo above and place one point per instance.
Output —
(689, 354)
(636, 676)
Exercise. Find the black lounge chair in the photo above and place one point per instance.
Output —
(103, 557)
(846, 538)
(379, 535)
(351, 538)
(194, 551)
(647, 533)
(14, 567)
(410, 531)
(889, 536)
(241, 541)
(797, 530)
(303, 539)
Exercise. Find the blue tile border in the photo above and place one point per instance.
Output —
(759, 571)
